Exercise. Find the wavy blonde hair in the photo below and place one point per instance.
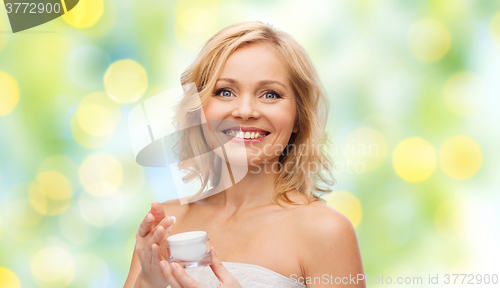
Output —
(312, 108)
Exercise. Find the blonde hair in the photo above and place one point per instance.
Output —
(312, 108)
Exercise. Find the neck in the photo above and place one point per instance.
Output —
(254, 190)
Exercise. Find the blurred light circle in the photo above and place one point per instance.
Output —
(195, 22)
(46, 205)
(17, 206)
(51, 193)
(428, 40)
(9, 93)
(494, 28)
(62, 164)
(86, 66)
(347, 204)
(102, 211)
(94, 272)
(367, 146)
(54, 185)
(414, 159)
(95, 120)
(3, 36)
(101, 174)
(460, 157)
(464, 93)
(125, 81)
(53, 267)
(85, 14)
(8, 279)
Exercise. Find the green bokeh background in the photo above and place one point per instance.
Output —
(364, 52)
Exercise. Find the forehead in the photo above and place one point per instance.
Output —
(255, 62)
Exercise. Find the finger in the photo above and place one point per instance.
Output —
(166, 269)
(155, 257)
(146, 225)
(183, 278)
(158, 212)
(219, 270)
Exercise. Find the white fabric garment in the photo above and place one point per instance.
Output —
(248, 275)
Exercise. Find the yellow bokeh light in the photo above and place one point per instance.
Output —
(125, 81)
(464, 93)
(414, 159)
(195, 22)
(54, 185)
(101, 174)
(9, 93)
(95, 120)
(53, 267)
(51, 193)
(46, 205)
(85, 14)
(3, 36)
(8, 279)
(347, 204)
(494, 28)
(428, 40)
(365, 146)
(460, 157)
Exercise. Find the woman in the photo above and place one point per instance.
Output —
(271, 229)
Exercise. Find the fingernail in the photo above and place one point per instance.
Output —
(173, 217)
(158, 231)
(153, 247)
(162, 265)
(174, 267)
(147, 218)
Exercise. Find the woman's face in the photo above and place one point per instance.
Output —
(254, 97)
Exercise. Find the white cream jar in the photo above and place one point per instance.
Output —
(189, 249)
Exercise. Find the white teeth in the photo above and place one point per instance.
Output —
(244, 135)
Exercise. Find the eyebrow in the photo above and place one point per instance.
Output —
(263, 82)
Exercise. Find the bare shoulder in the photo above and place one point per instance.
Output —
(319, 221)
(329, 241)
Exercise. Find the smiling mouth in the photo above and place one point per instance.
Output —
(248, 135)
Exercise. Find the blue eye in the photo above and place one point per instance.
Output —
(225, 93)
(271, 95)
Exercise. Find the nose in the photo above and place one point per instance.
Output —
(246, 108)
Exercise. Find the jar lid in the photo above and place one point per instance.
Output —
(187, 238)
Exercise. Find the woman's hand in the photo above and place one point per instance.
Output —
(148, 250)
(183, 280)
